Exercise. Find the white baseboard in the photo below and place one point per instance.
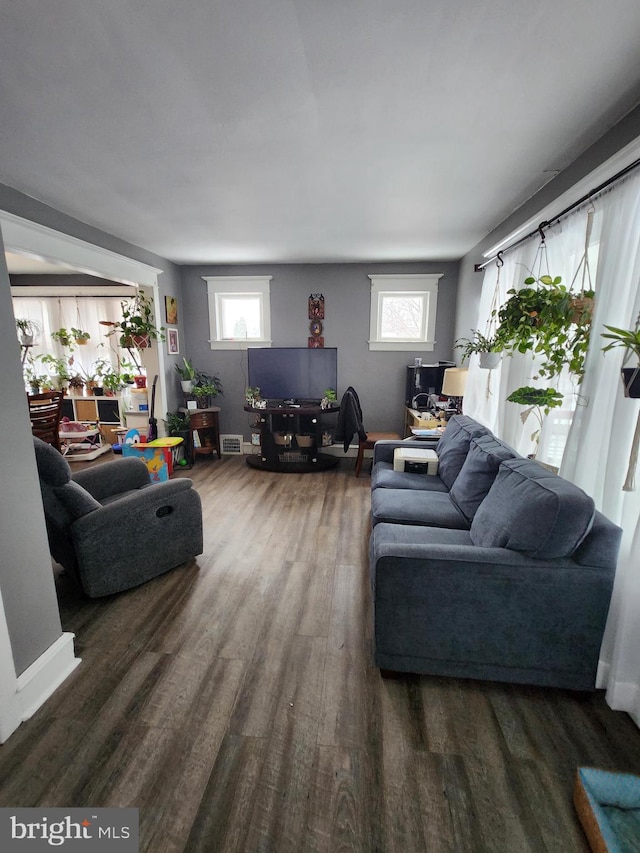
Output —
(36, 684)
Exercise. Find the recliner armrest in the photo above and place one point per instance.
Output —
(110, 478)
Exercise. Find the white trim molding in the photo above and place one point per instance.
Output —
(26, 237)
(230, 287)
(425, 286)
(46, 674)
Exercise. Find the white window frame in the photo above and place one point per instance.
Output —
(221, 286)
(425, 285)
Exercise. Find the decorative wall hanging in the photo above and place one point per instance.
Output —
(316, 315)
(171, 310)
(316, 306)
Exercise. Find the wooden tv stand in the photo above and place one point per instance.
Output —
(290, 438)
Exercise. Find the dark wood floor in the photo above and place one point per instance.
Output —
(234, 702)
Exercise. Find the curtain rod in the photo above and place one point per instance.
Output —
(555, 219)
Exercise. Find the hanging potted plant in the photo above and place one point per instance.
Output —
(63, 336)
(136, 328)
(27, 331)
(187, 373)
(539, 319)
(80, 336)
(489, 349)
(539, 402)
(629, 340)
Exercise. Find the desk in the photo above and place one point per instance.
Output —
(418, 420)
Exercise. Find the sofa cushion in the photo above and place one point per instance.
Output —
(407, 506)
(384, 477)
(453, 447)
(530, 509)
(478, 472)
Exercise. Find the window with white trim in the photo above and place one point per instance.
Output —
(239, 311)
(403, 312)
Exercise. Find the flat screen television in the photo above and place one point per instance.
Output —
(293, 373)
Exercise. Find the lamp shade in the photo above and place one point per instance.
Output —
(455, 381)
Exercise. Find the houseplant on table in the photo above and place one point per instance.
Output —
(187, 373)
(206, 386)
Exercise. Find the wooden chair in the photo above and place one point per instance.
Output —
(45, 411)
(368, 443)
(350, 424)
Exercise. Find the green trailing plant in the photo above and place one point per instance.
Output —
(548, 320)
(63, 336)
(136, 326)
(479, 343)
(58, 370)
(539, 402)
(80, 336)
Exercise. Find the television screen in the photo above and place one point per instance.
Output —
(293, 373)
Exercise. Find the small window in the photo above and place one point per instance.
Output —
(239, 311)
(403, 312)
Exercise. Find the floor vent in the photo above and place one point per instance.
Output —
(231, 445)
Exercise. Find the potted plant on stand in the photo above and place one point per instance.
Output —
(27, 331)
(629, 340)
(187, 373)
(177, 423)
(206, 386)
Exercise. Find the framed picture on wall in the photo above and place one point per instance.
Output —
(171, 310)
(173, 343)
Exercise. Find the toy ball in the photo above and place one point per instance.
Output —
(182, 462)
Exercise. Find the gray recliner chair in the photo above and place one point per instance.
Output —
(112, 529)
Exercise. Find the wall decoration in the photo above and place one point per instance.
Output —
(173, 343)
(316, 343)
(315, 327)
(316, 306)
(171, 310)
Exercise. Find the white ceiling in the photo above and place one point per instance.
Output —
(305, 130)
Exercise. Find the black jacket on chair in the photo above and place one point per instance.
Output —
(349, 419)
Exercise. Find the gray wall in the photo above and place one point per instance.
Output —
(26, 579)
(470, 282)
(378, 377)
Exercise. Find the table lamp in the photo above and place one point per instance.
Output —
(454, 384)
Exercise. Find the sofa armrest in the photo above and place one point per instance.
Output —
(134, 539)
(110, 478)
(383, 450)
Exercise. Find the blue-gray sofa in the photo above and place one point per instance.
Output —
(495, 568)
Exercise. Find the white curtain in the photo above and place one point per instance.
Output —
(591, 437)
(51, 313)
(487, 391)
(599, 444)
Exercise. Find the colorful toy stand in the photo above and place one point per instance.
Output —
(153, 457)
(169, 446)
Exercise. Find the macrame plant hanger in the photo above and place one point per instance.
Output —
(492, 325)
(583, 305)
(630, 481)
